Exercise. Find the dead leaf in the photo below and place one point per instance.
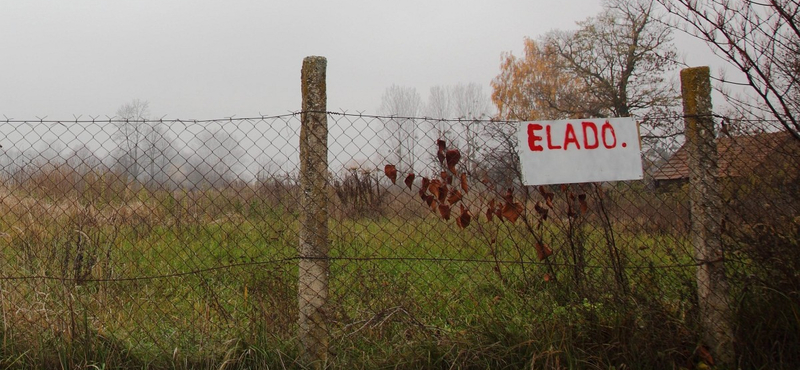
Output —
(442, 149)
(464, 185)
(548, 198)
(429, 200)
(512, 211)
(463, 220)
(541, 210)
(423, 189)
(582, 201)
(446, 178)
(571, 211)
(705, 355)
(508, 197)
(452, 156)
(455, 196)
(434, 187)
(444, 210)
(543, 251)
(391, 172)
(443, 194)
(409, 180)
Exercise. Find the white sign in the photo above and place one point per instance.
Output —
(579, 150)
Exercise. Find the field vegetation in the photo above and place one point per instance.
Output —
(106, 273)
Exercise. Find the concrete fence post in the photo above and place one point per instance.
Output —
(704, 196)
(313, 246)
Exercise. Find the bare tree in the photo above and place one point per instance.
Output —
(470, 104)
(51, 151)
(158, 154)
(402, 103)
(470, 101)
(621, 57)
(466, 103)
(762, 41)
(132, 129)
(12, 161)
(216, 160)
(84, 164)
(440, 106)
(82, 159)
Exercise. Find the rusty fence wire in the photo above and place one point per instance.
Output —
(169, 243)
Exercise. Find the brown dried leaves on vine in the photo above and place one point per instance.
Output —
(455, 196)
(442, 197)
(409, 180)
(542, 251)
(542, 211)
(391, 172)
(463, 220)
(583, 204)
(444, 211)
(440, 153)
(547, 195)
(510, 210)
(446, 178)
(452, 156)
(573, 210)
(434, 186)
(490, 210)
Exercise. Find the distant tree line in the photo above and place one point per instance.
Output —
(147, 153)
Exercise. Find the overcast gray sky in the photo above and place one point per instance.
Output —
(213, 59)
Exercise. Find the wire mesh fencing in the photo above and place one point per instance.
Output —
(164, 243)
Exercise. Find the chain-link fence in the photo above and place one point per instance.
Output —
(177, 245)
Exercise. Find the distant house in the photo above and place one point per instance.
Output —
(739, 156)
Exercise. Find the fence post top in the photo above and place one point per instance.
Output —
(696, 70)
(315, 59)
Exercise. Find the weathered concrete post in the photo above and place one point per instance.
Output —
(704, 195)
(313, 248)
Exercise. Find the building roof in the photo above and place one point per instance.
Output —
(738, 155)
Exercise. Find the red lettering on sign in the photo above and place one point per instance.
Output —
(592, 137)
(550, 139)
(533, 139)
(604, 130)
(570, 137)
(588, 125)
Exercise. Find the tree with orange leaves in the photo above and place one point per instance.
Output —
(613, 65)
(535, 86)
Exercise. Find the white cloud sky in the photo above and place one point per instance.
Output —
(209, 59)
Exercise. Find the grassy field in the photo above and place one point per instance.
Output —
(126, 278)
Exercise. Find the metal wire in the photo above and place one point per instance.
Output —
(176, 235)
